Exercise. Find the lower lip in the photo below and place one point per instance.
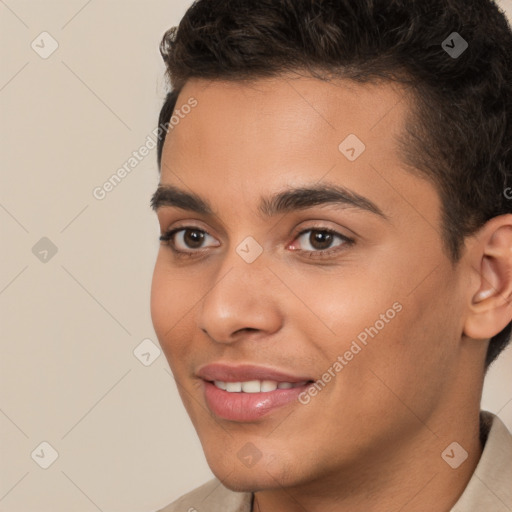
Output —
(248, 406)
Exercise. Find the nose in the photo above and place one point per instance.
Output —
(242, 299)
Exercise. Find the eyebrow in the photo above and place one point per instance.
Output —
(286, 201)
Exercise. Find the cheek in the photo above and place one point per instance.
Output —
(170, 302)
(405, 329)
(348, 306)
(160, 297)
(413, 355)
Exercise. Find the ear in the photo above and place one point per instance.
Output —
(490, 309)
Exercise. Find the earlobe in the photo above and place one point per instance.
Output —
(490, 310)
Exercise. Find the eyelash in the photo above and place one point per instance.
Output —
(167, 239)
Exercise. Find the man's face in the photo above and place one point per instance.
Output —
(356, 295)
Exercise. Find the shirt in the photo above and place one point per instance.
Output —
(488, 490)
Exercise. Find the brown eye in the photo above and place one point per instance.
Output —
(192, 238)
(320, 239)
(185, 240)
(321, 242)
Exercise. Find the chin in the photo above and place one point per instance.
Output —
(263, 475)
(248, 480)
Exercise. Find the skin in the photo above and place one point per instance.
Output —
(372, 439)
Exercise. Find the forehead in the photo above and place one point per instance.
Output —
(284, 117)
(247, 139)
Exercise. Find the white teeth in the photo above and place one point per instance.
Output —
(255, 386)
(251, 386)
(268, 385)
(220, 384)
(234, 387)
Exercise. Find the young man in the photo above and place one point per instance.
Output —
(335, 274)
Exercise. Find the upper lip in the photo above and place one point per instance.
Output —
(245, 372)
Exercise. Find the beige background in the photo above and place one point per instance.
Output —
(70, 324)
